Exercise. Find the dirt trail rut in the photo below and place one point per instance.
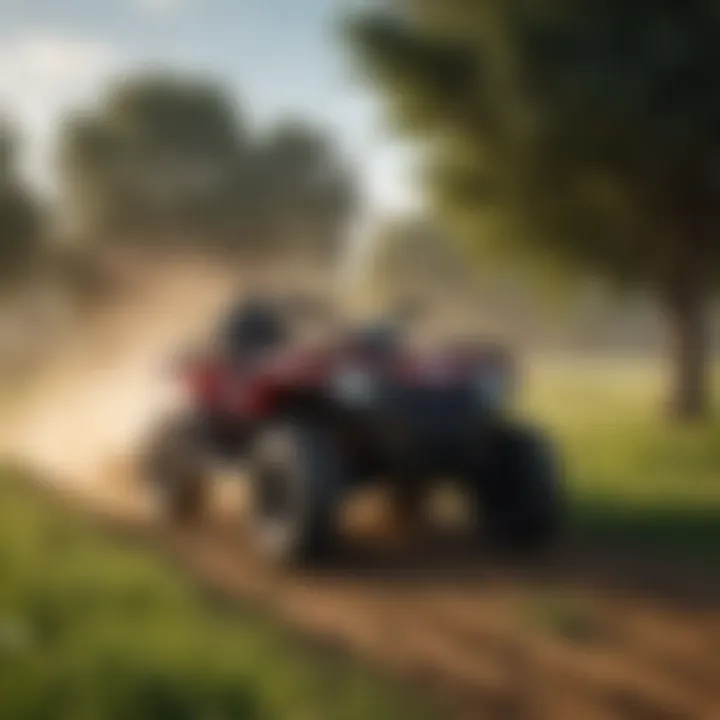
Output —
(579, 635)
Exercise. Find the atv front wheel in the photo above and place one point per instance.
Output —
(297, 481)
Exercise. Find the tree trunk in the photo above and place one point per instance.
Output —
(689, 351)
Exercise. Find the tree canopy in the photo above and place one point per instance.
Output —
(303, 193)
(167, 156)
(584, 131)
(159, 154)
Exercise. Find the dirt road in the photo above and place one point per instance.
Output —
(583, 634)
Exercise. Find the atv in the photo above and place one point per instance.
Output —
(311, 423)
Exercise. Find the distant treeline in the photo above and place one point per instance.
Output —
(168, 161)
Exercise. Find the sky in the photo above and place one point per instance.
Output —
(278, 57)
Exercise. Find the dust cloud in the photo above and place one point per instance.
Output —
(113, 377)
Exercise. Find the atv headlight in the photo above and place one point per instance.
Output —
(354, 386)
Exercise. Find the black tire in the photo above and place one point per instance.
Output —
(174, 470)
(520, 496)
(297, 481)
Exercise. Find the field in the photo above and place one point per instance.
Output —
(614, 625)
(633, 476)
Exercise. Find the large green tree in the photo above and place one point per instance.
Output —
(583, 130)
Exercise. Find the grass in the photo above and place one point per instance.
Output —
(634, 477)
(90, 630)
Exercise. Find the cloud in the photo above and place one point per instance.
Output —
(51, 56)
(42, 76)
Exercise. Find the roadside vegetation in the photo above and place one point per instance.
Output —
(634, 478)
(90, 629)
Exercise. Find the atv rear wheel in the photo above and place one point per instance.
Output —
(520, 496)
(175, 470)
(296, 485)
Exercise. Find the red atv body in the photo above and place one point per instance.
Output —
(259, 389)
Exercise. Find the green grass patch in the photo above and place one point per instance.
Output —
(91, 630)
(634, 476)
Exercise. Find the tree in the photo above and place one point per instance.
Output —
(584, 131)
(167, 157)
(21, 239)
(160, 155)
(304, 193)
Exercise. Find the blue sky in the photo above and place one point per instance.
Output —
(278, 56)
